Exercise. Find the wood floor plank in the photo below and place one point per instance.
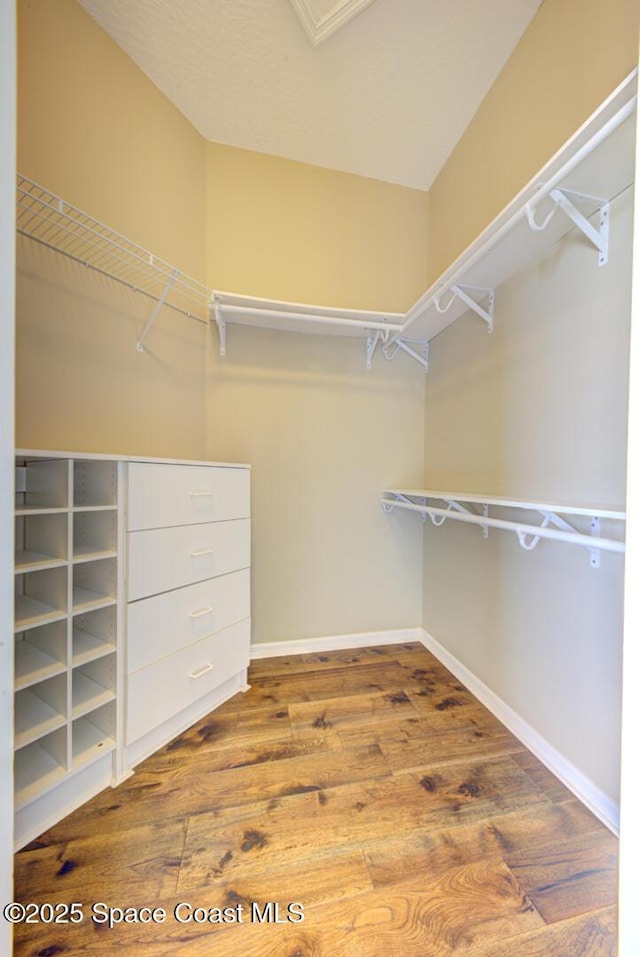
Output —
(269, 780)
(542, 777)
(564, 878)
(370, 786)
(312, 826)
(590, 935)
(466, 906)
(147, 856)
(221, 729)
(320, 661)
(381, 709)
(418, 748)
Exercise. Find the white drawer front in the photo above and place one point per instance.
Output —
(162, 495)
(162, 690)
(166, 558)
(163, 624)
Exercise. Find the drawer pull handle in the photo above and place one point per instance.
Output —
(199, 672)
(201, 611)
(201, 494)
(200, 552)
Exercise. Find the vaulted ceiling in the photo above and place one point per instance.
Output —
(381, 88)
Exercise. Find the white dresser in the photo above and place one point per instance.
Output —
(132, 616)
(188, 596)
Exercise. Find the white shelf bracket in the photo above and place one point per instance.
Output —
(403, 344)
(158, 306)
(221, 323)
(458, 291)
(372, 341)
(562, 200)
(485, 528)
(595, 552)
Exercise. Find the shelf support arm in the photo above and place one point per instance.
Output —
(402, 344)
(561, 199)
(158, 306)
(370, 346)
(462, 292)
(221, 323)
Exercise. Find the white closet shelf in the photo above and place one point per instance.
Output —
(576, 185)
(86, 600)
(593, 167)
(31, 611)
(88, 647)
(89, 742)
(88, 695)
(34, 718)
(36, 771)
(33, 665)
(91, 553)
(27, 561)
(440, 505)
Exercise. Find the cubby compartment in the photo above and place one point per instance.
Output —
(95, 484)
(40, 597)
(40, 653)
(94, 635)
(93, 685)
(67, 574)
(94, 535)
(40, 541)
(41, 484)
(94, 585)
(93, 735)
(40, 709)
(40, 766)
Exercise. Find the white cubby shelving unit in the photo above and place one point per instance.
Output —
(68, 533)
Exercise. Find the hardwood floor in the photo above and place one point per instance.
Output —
(369, 787)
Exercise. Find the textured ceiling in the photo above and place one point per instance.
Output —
(387, 96)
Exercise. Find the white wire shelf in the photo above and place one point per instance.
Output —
(570, 193)
(440, 506)
(56, 224)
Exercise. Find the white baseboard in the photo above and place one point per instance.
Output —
(607, 810)
(308, 646)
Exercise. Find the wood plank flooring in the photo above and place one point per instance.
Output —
(368, 786)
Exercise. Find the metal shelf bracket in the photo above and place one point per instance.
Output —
(458, 291)
(562, 199)
(221, 324)
(370, 346)
(158, 306)
(405, 346)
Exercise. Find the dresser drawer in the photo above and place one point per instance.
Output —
(165, 558)
(163, 624)
(163, 689)
(162, 495)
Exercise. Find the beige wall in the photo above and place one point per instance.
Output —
(322, 434)
(571, 57)
(537, 410)
(285, 230)
(93, 129)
